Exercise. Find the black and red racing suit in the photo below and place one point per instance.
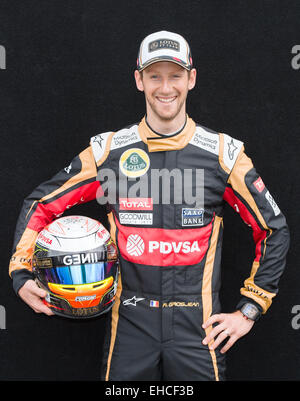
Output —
(170, 250)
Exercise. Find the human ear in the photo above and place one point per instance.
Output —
(192, 79)
(139, 80)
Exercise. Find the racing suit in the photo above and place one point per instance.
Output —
(169, 241)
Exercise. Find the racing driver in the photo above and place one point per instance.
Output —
(167, 322)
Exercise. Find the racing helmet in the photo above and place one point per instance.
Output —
(76, 262)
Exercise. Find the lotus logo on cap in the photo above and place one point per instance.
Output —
(164, 44)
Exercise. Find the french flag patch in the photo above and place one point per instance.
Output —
(154, 304)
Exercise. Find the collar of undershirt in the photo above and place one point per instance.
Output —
(158, 142)
(164, 135)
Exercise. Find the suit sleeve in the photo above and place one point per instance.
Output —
(248, 195)
(74, 184)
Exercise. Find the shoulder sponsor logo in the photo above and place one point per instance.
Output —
(125, 137)
(259, 185)
(135, 218)
(132, 301)
(192, 217)
(272, 203)
(206, 140)
(136, 203)
(134, 162)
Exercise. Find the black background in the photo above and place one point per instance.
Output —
(69, 76)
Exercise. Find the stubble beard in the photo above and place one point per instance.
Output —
(162, 116)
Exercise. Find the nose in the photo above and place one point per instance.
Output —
(165, 86)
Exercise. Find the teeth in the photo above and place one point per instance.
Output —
(168, 100)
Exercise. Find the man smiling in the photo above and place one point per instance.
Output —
(170, 252)
(166, 86)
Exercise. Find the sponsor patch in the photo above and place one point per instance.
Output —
(163, 44)
(259, 185)
(125, 137)
(206, 140)
(192, 217)
(272, 203)
(134, 162)
(136, 218)
(162, 247)
(136, 203)
(136, 246)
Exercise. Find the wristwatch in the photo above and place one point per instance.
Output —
(250, 311)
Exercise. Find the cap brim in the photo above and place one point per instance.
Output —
(169, 59)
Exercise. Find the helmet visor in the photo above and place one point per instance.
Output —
(77, 274)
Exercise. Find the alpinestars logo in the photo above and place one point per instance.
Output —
(68, 168)
(132, 301)
(231, 149)
(98, 139)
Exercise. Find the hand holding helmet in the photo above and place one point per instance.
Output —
(31, 293)
(75, 263)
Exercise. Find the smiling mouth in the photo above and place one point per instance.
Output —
(166, 100)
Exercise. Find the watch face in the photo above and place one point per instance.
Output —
(250, 311)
